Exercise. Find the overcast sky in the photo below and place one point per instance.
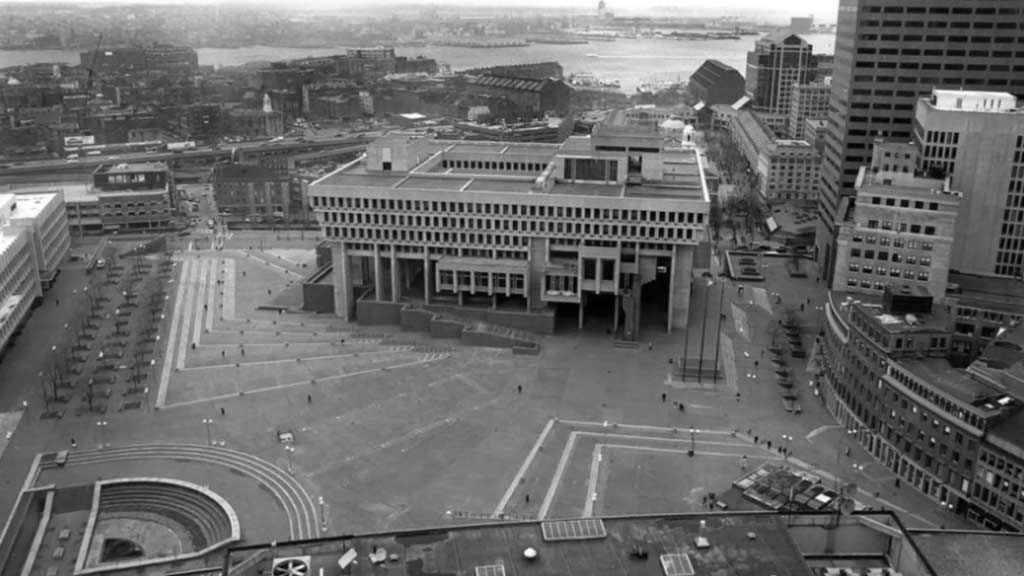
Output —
(823, 10)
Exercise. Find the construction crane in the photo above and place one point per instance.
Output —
(92, 65)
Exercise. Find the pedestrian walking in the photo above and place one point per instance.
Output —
(309, 398)
(527, 498)
(757, 439)
(73, 443)
(650, 345)
(519, 389)
(222, 411)
(737, 396)
(743, 465)
(663, 397)
(58, 301)
(769, 444)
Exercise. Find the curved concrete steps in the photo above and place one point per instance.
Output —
(299, 507)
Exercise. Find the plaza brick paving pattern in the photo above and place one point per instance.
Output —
(394, 429)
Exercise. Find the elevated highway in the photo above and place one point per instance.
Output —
(74, 169)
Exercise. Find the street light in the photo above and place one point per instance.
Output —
(208, 422)
(102, 425)
(849, 432)
(288, 450)
(785, 449)
(323, 517)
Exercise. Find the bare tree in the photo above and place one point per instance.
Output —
(730, 209)
(715, 219)
(89, 395)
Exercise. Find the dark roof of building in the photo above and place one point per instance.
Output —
(131, 168)
(712, 71)
(247, 172)
(1008, 434)
(873, 307)
(784, 37)
(955, 553)
(510, 82)
(750, 543)
(955, 382)
(713, 66)
(1002, 363)
(1005, 294)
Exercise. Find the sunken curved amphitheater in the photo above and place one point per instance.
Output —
(136, 522)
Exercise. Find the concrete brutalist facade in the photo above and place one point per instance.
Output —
(521, 227)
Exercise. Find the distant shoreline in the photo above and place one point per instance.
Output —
(631, 62)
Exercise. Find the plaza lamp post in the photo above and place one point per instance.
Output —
(785, 449)
(102, 426)
(208, 422)
(288, 451)
(845, 447)
(323, 517)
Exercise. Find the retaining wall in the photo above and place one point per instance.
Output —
(415, 319)
(537, 322)
(440, 328)
(374, 313)
(24, 522)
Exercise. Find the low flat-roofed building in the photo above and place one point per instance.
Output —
(258, 193)
(19, 281)
(727, 544)
(721, 116)
(787, 169)
(656, 115)
(946, 431)
(998, 495)
(133, 196)
(549, 130)
(982, 306)
(530, 226)
(900, 229)
(45, 216)
(975, 553)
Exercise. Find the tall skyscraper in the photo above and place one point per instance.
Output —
(889, 53)
(776, 63)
